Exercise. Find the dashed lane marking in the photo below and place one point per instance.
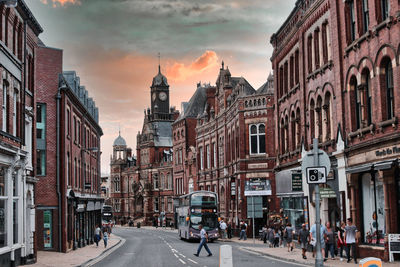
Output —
(180, 254)
(195, 262)
(182, 261)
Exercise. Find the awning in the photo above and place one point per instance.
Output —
(90, 206)
(385, 165)
(359, 168)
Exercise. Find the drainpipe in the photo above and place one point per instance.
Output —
(58, 99)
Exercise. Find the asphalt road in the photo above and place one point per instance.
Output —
(148, 248)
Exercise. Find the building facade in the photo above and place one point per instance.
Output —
(336, 66)
(370, 49)
(233, 144)
(154, 170)
(68, 150)
(19, 32)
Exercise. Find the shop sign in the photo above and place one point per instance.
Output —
(327, 193)
(388, 151)
(233, 188)
(297, 182)
(257, 187)
(394, 245)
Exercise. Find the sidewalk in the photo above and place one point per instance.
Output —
(75, 257)
(294, 256)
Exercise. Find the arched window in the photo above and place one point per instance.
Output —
(312, 119)
(293, 131)
(257, 139)
(319, 122)
(325, 42)
(365, 89)
(354, 109)
(309, 53)
(316, 48)
(327, 116)
(285, 78)
(282, 130)
(286, 127)
(298, 133)
(386, 80)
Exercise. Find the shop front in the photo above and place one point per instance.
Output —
(375, 199)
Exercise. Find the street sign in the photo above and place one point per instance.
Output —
(316, 175)
(297, 182)
(323, 161)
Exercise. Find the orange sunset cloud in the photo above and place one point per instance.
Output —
(61, 2)
(180, 72)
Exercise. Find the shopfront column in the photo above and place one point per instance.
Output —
(388, 186)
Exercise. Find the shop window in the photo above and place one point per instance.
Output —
(47, 229)
(257, 139)
(3, 208)
(373, 209)
(15, 221)
(294, 210)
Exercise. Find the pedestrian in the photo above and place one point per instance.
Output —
(350, 239)
(289, 236)
(271, 236)
(313, 236)
(304, 240)
(330, 241)
(243, 228)
(229, 230)
(341, 244)
(264, 234)
(97, 232)
(203, 242)
(223, 227)
(276, 238)
(105, 238)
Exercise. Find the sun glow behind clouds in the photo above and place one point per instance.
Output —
(56, 3)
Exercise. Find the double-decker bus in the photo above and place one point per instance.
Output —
(197, 208)
(106, 216)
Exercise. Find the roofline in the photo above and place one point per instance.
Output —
(33, 23)
(296, 7)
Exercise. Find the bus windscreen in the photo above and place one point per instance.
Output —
(208, 220)
(203, 199)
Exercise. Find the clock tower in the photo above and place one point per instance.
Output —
(160, 96)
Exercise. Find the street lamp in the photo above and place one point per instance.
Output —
(9, 3)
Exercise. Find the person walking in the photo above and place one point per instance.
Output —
(97, 232)
(276, 238)
(288, 232)
(229, 230)
(341, 243)
(105, 238)
(271, 236)
(313, 236)
(304, 240)
(350, 239)
(223, 227)
(243, 228)
(203, 242)
(330, 241)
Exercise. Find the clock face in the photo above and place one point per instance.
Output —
(154, 96)
(162, 96)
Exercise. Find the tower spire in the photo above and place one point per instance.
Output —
(159, 59)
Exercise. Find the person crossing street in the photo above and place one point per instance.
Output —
(203, 242)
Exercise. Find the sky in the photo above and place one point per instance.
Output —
(113, 46)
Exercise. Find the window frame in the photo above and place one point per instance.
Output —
(257, 135)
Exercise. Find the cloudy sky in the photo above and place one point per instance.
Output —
(113, 46)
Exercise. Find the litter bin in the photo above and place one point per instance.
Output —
(138, 225)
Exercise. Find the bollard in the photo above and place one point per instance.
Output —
(370, 262)
(225, 256)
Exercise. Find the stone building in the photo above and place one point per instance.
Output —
(154, 181)
(68, 196)
(336, 66)
(233, 144)
(19, 33)
(122, 166)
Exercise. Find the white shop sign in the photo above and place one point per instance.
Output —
(394, 245)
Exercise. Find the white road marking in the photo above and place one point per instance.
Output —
(272, 258)
(193, 261)
(182, 261)
(176, 255)
(180, 254)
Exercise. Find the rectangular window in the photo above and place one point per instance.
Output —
(215, 155)
(41, 121)
(316, 48)
(365, 11)
(68, 122)
(47, 229)
(257, 138)
(385, 8)
(75, 131)
(40, 162)
(309, 53)
(156, 204)
(201, 158)
(352, 21)
(297, 67)
(4, 107)
(15, 95)
(3, 220)
(15, 221)
(208, 156)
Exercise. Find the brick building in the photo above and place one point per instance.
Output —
(19, 32)
(335, 62)
(68, 151)
(154, 183)
(233, 123)
(370, 52)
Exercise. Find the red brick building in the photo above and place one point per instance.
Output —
(336, 66)
(154, 183)
(68, 142)
(233, 144)
(19, 33)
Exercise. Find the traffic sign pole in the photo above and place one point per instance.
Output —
(318, 260)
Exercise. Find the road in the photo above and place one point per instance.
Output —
(148, 248)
